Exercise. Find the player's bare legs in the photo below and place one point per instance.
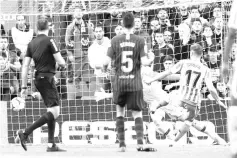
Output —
(187, 118)
(183, 130)
(162, 127)
(208, 128)
(120, 127)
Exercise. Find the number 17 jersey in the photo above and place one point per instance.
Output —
(192, 75)
(126, 54)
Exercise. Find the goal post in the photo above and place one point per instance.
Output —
(79, 110)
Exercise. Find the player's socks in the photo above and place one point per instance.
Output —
(51, 130)
(38, 123)
(232, 128)
(120, 130)
(139, 130)
(183, 130)
(170, 134)
(209, 129)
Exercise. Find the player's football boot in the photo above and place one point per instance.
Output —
(21, 138)
(122, 147)
(172, 143)
(143, 148)
(171, 134)
(55, 148)
(219, 142)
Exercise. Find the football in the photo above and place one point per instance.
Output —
(17, 104)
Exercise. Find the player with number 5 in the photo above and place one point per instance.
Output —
(127, 51)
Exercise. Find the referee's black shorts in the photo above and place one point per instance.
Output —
(45, 84)
(133, 100)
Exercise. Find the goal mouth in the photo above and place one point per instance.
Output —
(79, 109)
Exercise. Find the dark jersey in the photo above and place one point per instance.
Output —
(127, 62)
(41, 49)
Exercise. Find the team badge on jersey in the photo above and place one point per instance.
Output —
(85, 42)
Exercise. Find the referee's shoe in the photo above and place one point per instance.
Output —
(55, 148)
(22, 138)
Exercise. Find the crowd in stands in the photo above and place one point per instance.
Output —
(168, 33)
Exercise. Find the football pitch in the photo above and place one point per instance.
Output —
(88, 151)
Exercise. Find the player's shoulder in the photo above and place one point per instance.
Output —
(117, 38)
(183, 61)
(137, 37)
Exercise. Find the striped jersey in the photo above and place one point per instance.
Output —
(233, 16)
(192, 75)
(126, 54)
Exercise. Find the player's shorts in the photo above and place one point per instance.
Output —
(133, 100)
(179, 110)
(45, 84)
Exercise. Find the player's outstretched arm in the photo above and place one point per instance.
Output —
(172, 77)
(159, 76)
(212, 89)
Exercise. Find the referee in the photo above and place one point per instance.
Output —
(46, 55)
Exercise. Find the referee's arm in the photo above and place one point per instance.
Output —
(57, 55)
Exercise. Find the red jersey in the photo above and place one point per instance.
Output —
(126, 54)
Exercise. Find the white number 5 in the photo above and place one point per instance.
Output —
(127, 58)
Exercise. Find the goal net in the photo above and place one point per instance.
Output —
(83, 120)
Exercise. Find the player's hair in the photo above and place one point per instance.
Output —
(128, 20)
(154, 19)
(137, 17)
(194, 8)
(206, 26)
(42, 24)
(168, 58)
(197, 48)
(159, 31)
(195, 19)
(163, 9)
(99, 25)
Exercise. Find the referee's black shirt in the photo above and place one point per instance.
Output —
(41, 49)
